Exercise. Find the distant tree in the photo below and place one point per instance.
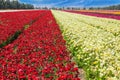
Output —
(113, 7)
(84, 8)
(1, 4)
(63, 8)
(68, 8)
(14, 4)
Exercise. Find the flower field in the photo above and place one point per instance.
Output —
(18, 20)
(57, 45)
(100, 13)
(38, 52)
(94, 43)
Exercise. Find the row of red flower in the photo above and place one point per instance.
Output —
(39, 53)
(104, 15)
(10, 22)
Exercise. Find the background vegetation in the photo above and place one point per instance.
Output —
(14, 4)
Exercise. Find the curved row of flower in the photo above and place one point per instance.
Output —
(115, 12)
(104, 15)
(10, 22)
(39, 53)
(95, 50)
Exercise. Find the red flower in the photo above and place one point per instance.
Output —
(39, 53)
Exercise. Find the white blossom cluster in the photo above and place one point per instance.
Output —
(94, 43)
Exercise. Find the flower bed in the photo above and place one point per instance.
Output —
(103, 15)
(92, 43)
(109, 25)
(115, 12)
(39, 53)
(13, 22)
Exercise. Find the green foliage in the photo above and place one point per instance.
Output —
(11, 39)
(15, 4)
(14, 36)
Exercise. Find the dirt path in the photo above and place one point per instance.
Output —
(82, 74)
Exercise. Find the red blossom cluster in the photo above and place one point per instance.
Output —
(10, 22)
(39, 53)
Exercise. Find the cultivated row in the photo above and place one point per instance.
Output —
(12, 23)
(39, 53)
(99, 14)
(95, 50)
(109, 25)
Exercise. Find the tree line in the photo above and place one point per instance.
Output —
(14, 4)
(113, 7)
